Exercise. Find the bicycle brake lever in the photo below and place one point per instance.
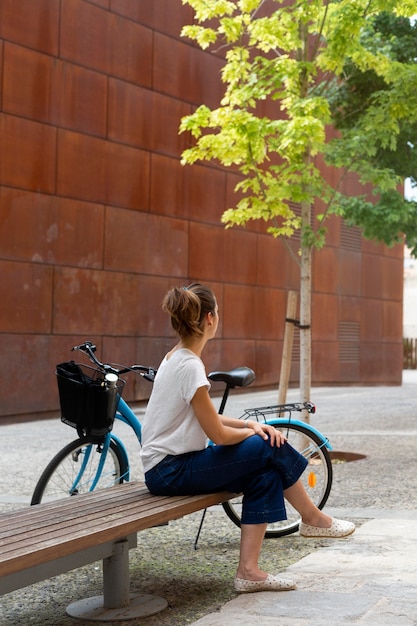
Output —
(87, 347)
(150, 375)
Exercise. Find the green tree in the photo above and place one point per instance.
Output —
(390, 215)
(294, 54)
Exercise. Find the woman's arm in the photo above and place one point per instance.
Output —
(211, 423)
(233, 422)
(264, 430)
(226, 431)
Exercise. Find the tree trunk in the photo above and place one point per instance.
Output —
(306, 251)
(305, 310)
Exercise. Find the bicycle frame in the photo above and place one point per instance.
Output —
(124, 414)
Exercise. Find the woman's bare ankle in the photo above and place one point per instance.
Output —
(321, 520)
(251, 574)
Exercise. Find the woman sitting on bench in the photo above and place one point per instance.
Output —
(249, 457)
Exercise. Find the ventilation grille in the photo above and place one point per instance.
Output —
(296, 207)
(350, 237)
(295, 357)
(349, 341)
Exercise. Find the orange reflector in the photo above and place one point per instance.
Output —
(312, 479)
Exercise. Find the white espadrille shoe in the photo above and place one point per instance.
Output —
(271, 583)
(339, 528)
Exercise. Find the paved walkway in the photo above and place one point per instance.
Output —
(369, 578)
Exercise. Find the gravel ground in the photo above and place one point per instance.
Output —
(376, 422)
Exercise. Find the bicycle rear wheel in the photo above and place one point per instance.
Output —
(317, 479)
(74, 469)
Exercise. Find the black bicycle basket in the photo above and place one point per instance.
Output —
(87, 402)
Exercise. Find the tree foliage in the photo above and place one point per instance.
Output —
(344, 63)
(391, 214)
(290, 105)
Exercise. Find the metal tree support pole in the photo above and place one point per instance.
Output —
(284, 377)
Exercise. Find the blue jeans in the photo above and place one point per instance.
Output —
(253, 467)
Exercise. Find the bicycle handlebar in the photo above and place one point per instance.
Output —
(89, 349)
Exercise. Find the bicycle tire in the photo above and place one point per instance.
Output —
(59, 475)
(317, 479)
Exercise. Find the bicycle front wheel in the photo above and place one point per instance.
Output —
(317, 479)
(75, 468)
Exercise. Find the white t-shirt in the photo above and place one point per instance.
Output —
(170, 425)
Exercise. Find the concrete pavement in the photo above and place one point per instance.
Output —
(369, 578)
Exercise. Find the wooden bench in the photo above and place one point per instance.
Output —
(39, 542)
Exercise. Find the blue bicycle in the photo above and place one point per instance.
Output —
(98, 458)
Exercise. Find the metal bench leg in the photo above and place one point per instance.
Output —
(116, 585)
(117, 603)
(199, 529)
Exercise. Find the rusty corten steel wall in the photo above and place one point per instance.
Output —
(98, 218)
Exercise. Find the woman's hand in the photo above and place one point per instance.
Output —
(266, 431)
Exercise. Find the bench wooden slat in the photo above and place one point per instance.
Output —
(62, 509)
(60, 506)
(53, 531)
(111, 504)
(46, 532)
(40, 515)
